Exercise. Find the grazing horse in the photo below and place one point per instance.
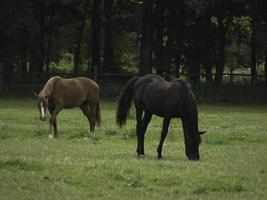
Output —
(59, 93)
(153, 95)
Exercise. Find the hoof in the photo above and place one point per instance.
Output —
(140, 156)
(50, 136)
(193, 159)
(160, 156)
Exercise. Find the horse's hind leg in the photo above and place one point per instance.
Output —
(55, 128)
(139, 148)
(146, 119)
(92, 118)
(166, 122)
(90, 114)
(141, 127)
(51, 110)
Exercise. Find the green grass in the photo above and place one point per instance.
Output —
(233, 162)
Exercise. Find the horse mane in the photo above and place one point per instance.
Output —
(186, 85)
(48, 87)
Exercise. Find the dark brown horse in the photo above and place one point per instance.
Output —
(153, 95)
(59, 93)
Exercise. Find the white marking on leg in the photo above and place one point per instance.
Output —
(42, 111)
(93, 135)
(50, 136)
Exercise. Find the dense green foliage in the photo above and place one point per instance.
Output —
(170, 38)
(76, 166)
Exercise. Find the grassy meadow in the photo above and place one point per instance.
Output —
(233, 156)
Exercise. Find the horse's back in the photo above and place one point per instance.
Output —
(149, 78)
(74, 91)
(142, 83)
(161, 97)
(77, 84)
(150, 93)
(87, 83)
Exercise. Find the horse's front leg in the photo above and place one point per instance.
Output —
(51, 130)
(166, 122)
(53, 122)
(55, 127)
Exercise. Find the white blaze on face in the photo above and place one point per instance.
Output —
(42, 111)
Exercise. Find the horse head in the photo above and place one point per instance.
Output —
(42, 104)
(192, 135)
(192, 146)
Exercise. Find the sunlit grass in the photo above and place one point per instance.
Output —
(233, 162)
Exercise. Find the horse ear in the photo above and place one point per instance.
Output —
(202, 132)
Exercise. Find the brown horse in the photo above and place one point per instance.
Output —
(59, 93)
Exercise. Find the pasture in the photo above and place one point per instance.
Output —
(233, 161)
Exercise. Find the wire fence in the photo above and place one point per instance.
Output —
(235, 87)
(34, 81)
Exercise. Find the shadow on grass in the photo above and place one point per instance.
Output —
(17, 164)
(207, 190)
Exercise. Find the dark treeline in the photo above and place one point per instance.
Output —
(170, 37)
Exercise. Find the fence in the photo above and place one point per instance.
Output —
(235, 87)
(33, 81)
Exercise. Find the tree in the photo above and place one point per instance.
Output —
(77, 53)
(38, 47)
(253, 41)
(96, 32)
(221, 38)
(208, 46)
(108, 46)
(159, 43)
(147, 32)
(265, 67)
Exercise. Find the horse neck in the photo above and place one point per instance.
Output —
(190, 119)
(48, 88)
(188, 108)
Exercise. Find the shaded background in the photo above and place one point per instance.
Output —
(220, 46)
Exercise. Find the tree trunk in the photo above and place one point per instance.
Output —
(145, 58)
(7, 71)
(77, 54)
(207, 54)
(38, 48)
(24, 58)
(89, 57)
(196, 53)
(194, 69)
(194, 63)
(42, 34)
(49, 42)
(108, 47)
(158, 48)
(96, 30)
(265, 67)
(253, 52)
(221, 50)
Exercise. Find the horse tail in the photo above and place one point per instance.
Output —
(98, 114)
(124, 103)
